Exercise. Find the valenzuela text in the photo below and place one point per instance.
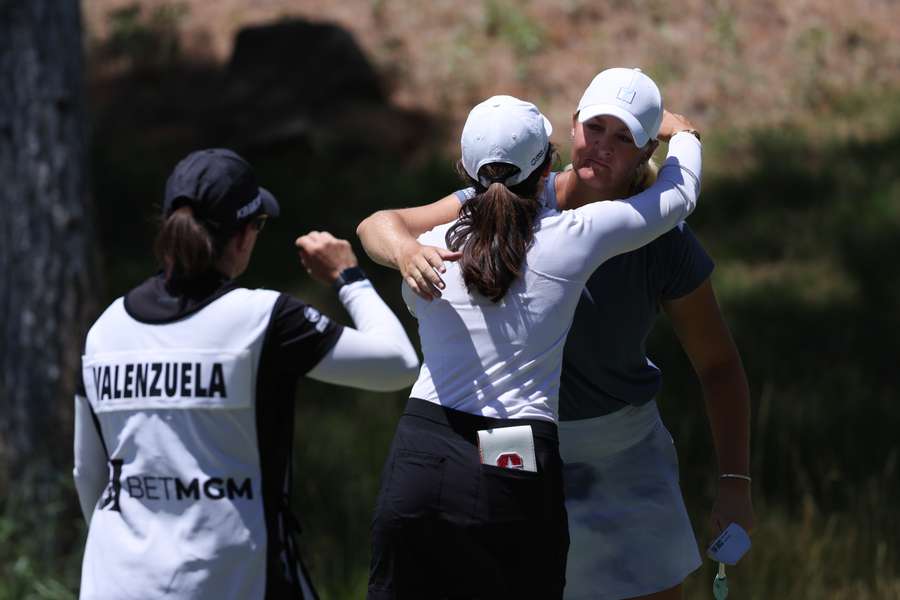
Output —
(159, 380)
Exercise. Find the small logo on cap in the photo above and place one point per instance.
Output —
(626, 95)
(249, 208)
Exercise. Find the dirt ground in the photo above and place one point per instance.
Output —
(726, 64)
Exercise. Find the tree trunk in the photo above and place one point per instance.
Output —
(46, 264)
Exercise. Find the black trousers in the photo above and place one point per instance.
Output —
(446, 526)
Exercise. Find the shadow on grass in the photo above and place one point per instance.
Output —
(298, 99)
(808, 242)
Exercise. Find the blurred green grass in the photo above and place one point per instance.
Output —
(804, 223)
(805, 227)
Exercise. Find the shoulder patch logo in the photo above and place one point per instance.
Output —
(319, 321)
(311, 314)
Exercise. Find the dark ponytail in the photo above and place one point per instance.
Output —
(496, 228)
(185, 247)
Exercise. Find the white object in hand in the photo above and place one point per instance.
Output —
(730, 546)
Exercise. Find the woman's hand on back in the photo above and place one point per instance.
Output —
(421, 268)
(671, 124)
(324, 256)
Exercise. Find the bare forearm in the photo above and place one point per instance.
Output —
(717, 362)
(383, 235)
(727, 398)
(389, 238)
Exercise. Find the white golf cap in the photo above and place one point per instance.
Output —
(629, 95)
(504, 129)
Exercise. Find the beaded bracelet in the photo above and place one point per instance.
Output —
(735, 476)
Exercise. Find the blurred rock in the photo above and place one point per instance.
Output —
(298, 80)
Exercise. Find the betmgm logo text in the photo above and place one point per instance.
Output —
(155, 488)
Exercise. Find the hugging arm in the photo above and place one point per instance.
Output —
(613, 227)
(704, 335)
(389, 238)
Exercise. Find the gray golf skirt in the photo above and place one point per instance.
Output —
(629, 528)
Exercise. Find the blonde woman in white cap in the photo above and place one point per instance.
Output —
(471, 503)
(631, 537)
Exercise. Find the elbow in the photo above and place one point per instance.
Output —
(78, 477)
(410, 369)
(690, 194)
(365, 225)
(727, 370)
(404, 371)
(399, 372)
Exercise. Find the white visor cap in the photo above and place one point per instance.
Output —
(504, 129)
(630, 96)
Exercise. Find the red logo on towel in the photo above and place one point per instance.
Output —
(510, 460)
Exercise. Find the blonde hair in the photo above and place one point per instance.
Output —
(646, 176)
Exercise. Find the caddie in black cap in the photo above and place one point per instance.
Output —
(221, 188)
(209, 374)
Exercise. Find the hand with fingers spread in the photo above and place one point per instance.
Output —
(324, 256)
(422, 266)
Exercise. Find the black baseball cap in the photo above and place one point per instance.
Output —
(221, 188)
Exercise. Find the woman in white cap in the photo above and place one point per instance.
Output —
(471, 503)
(184, 422)
(631, 536)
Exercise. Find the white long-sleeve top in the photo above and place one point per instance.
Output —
(376, 354)
(504, 359)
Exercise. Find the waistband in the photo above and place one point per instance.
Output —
(466, 424)
(597, 437)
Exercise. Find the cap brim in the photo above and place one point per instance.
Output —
(595, 110)
(269, 203)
